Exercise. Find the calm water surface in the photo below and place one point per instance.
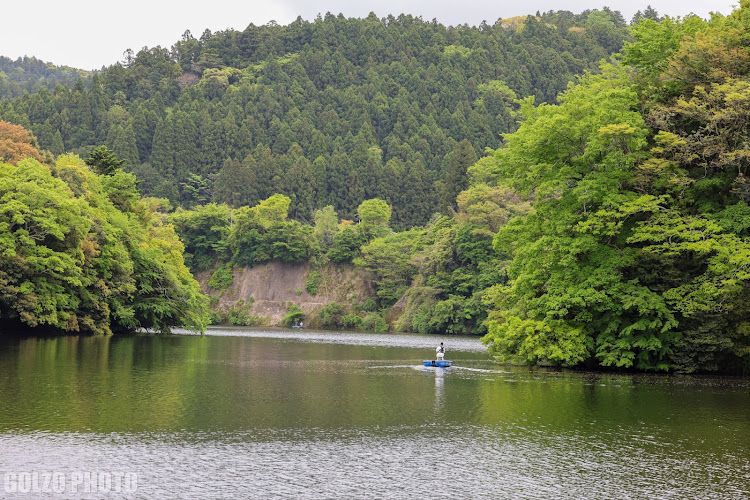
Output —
(303, 414)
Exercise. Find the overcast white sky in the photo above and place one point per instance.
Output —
(89, 34)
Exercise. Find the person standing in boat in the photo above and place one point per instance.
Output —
(440, 352)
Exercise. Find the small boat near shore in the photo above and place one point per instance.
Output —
(440, 363)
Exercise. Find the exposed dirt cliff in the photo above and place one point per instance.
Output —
(273, 286)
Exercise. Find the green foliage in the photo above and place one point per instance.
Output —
(122, 191)
(239, 314)
(204, 231)
(294, 316)
(374, 216)
(103, 161)
(351, 320)
(369, 305)
(167, 293)
(655, 43)
(330, 315)
(389, 260)
(326, 227)
(222, 278)
(272, 211)
(196, 189)
(289, 242)
(419, 301)
(450, 50)
(611, 228)
(459, 160)
(43, 231)
(312, 283)
(345, 246)
(216, 317)
(29, 74)
(453, 315)
(374, 323)
(636, 252)
(568, 298)
(70, 259)
(452, 265)
(487, 208)
(262, 233)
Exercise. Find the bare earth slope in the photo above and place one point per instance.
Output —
(274, 285)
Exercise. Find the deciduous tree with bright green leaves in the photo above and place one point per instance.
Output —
(374, 216)
(73, 259)
(204, 231)
(263, 233)
(636, 252)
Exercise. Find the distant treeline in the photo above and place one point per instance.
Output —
(27, 75)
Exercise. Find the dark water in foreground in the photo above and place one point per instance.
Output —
(269, 414)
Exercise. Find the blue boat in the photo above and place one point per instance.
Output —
(440, 363)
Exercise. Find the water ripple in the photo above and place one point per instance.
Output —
(439, 461)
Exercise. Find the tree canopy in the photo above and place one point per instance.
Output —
(636, 252)
(72, 259)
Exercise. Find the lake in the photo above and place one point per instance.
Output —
(304, 414)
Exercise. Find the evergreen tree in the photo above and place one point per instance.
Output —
(326, 227)
(337, 173)
(371, 173)
(163, 148)
(418, 201)
(354, 192)
(210, 143)
(266, 171)
(186, 157)
(103, 161)
(300, 186)
(236, 183)
(144, 126)
(81, 117)
(124, 146)
(456, 180)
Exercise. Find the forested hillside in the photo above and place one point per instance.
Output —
(328, 112)
(637, 249)
(29, 74)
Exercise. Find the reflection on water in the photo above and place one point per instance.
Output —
(468, 461)
(439, 375)
(311, 415)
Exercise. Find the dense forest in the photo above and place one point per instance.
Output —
(607, 226)
(637, 250)
(328, 112)
(81, 251)
(27, 75)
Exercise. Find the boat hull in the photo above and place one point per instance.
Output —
(440, 363)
